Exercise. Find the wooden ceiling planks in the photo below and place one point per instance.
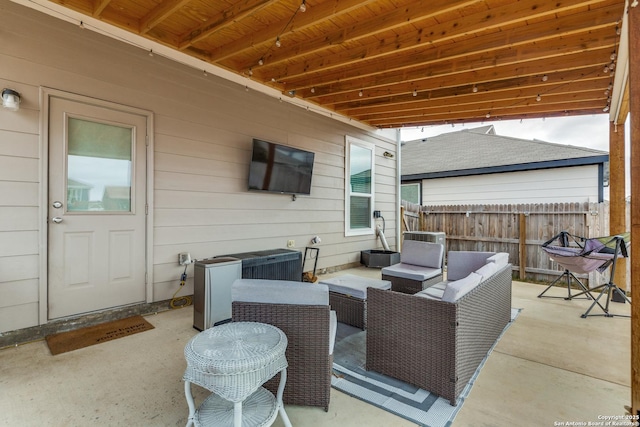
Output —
(393, 63)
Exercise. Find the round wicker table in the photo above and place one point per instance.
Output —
(233, 361)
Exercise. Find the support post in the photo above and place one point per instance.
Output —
(617, 203)
(634, 136)
(522, 262)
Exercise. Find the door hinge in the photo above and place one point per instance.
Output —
(146, 278)
(146, 209)
(146, 140)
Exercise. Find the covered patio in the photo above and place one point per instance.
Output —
(372, 66)
(551, 366)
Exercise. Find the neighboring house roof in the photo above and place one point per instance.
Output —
(74, 183)
(117, 192)
(480, 151)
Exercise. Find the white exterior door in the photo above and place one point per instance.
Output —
(96, 211)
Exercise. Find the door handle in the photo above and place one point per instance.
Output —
(56, 219)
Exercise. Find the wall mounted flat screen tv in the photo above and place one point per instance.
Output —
(280, 169)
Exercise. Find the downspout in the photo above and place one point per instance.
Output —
(601, 182)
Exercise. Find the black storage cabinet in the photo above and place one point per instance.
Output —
(275, 264)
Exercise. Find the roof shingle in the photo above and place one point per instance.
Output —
(482, 148)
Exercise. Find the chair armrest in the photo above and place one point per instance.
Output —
(307, 328)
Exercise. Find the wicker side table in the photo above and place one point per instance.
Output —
(233, 361)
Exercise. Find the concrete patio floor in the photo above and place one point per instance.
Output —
(550, 368)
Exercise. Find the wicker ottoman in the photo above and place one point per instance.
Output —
(348, 297)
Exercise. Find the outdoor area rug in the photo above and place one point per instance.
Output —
(84, 337)
(406, 401)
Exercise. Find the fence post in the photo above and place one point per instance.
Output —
(522, 262)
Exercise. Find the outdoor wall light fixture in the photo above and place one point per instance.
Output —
(10, 99)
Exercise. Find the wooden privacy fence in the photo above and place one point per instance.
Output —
(519, 230)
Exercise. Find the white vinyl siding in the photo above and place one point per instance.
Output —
(561, 185)
(203, 130)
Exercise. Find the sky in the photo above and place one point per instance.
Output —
(99, 172)
(585, 131)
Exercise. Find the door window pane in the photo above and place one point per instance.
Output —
(99, 166)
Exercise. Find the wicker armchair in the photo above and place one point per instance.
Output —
(302, 312)
(434, 344)
(420, 267)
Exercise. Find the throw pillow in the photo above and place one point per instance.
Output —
(457, 289)
(500, 259)
(487, 270)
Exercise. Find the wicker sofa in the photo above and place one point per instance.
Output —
(436, 344)
(302, 312)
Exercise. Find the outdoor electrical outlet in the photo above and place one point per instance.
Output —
(291, 243)
(184, 258)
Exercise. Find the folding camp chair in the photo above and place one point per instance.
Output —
(561, 247)
(586, 256)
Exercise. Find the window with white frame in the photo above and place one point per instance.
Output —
(359, 187)
(410, 192)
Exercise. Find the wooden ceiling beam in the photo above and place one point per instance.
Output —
(555, 81)
(526, 41)
(505, 16)
(569, 108)
(413, 14)
(463, 73)
(442, 63)
(161, 12)
(408, 81)
(224, 19)
(558, 83)
(267, 35)
(515, 115)
(548, 101)
(98, 7)
(127, 23)
(409, 102)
